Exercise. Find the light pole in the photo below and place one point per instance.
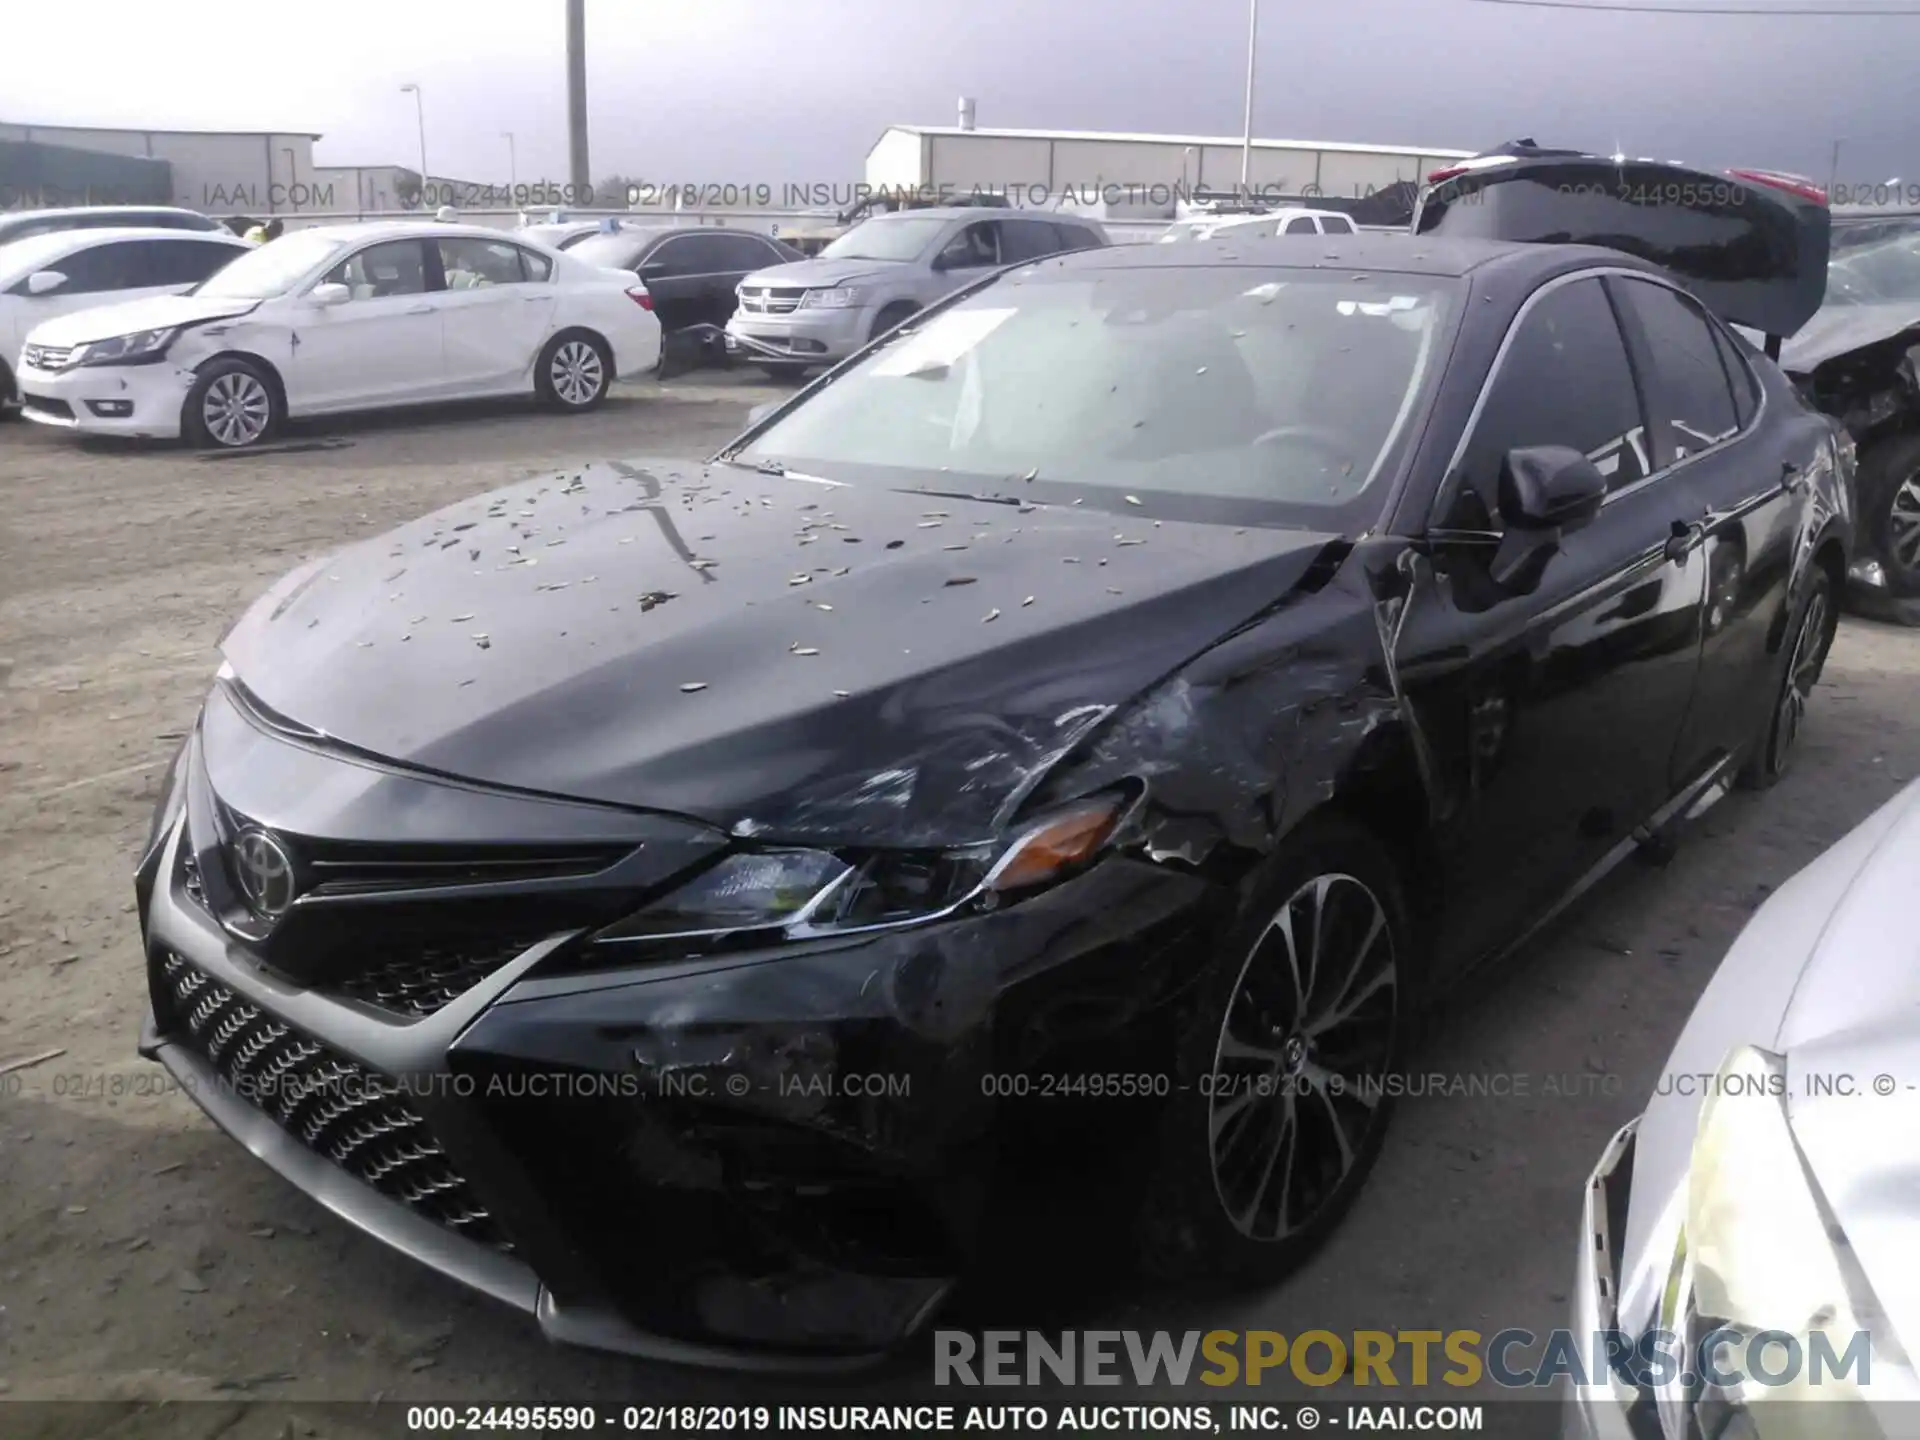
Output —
(1246, 146)
(513, 168)
(420, 113)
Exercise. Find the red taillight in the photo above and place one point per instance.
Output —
(1792, 184)
(638, 294)
(1447, 174)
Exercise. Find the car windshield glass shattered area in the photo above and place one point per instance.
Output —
(1226, 393)
(1884, 268)
(886, 237)
(269, 271)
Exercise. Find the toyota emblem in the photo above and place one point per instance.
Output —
(264, 870)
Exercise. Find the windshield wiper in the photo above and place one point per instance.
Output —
(966, 495)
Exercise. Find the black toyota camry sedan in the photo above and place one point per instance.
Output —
(652, 894)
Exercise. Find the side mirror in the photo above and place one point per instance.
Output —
(330, 294)
(1546, 492)
(1550, 487)
(44, 282)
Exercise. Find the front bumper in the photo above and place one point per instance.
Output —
(810, 336)
(139, 401)
(1601, 1405)
(770, 1160)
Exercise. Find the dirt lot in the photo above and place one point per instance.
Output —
(142, 1254)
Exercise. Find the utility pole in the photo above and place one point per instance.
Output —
(1246, 147)
(1833, 173)
(577, 99)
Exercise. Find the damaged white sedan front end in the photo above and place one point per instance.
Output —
(1748, 1246)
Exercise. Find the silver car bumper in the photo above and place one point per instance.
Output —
(1598, 1410)
(815, 336)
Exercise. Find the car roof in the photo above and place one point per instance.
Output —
(359, 231)
(18, 257)
(974, 212)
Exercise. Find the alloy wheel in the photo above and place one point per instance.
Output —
(1903, 523)
(1803, 669)
(237, 408)
(577, 372)
(1303, 1046)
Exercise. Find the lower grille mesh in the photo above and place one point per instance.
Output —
(426, 981)
(334, 1106)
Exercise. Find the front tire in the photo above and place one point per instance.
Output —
(9, 394)
(1281, 1106)
(1809, 637)
(575, 371)
(234, 403)
(892, 318)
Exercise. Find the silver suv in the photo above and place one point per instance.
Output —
(799, 317)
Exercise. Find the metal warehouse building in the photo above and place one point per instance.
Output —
(961, 158)
(217, 171)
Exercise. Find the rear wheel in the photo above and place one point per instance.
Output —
(574, 372)
(1805, 654)
(233, 404)
(1280, 1105)
(1889, 488)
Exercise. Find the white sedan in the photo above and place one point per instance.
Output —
(54, 273)
(341, 318)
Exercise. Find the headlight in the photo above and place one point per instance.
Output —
(131, 349)
(844, 297)
(1763, 1267)
(773, 894)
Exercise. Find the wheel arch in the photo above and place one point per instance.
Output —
(260, 362)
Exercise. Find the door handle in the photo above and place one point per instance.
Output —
(420, 310)
(1683, 540)
(533, 299)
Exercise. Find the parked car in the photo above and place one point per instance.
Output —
(565, 234)
(59, 272)
(693, 273)
(23, 224)
(1288, 221)
(1859, 360)
(340, 318)
(1767, 1186)
(1162, 665)
(799, 317)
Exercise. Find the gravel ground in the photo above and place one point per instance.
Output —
(144, 1255)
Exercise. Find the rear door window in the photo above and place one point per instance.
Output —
(1027, 240)
(1746, 385)
(1301, 225)
(1689, 378)
(1336, 225)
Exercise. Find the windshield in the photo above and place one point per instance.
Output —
(886, 237)
(272, 269)
(1198, 393)
(617, 251)
(1887, 270)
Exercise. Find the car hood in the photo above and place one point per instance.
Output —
(822, 274)
(1842, 329)
(1855, 1013)
(769, 654)
(1823, 973)
(157, 312)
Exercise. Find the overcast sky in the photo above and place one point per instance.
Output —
(769, 90)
